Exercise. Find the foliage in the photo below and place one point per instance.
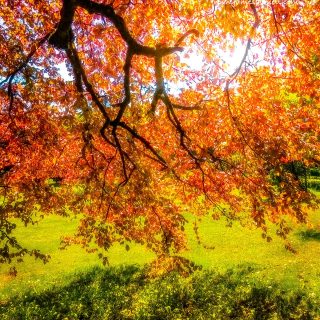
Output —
(126, 293)
(133, 136)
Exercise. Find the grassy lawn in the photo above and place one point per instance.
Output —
(234, 248)
(238, 247)
(45, 236)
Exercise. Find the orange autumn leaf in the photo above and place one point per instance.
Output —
(131, 114)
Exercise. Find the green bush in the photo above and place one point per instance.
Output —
(314, 184)
(315, 172)
(126, 293)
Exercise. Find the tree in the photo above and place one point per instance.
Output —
(133, 136)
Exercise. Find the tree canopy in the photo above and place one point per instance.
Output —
(130, 114)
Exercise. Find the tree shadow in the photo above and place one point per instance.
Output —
(126, 292)
(81, 298)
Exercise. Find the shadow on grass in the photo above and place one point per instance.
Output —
(310, 234)
(127, 293)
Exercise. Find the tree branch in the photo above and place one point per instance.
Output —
(63, 34)
(145, 142)
(78, 69)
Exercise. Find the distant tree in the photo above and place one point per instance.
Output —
(134, 134)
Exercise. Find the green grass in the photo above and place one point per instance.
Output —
(238, 246)
(126, 293)
(235, 248)
(46, 236)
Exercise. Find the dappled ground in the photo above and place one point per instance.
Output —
(243, 277)
(231, 247)
(126, 293)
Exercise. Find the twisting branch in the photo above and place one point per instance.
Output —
(145, 142)
(248, 46)
(159, 82)
(78, 70)
(126, 83)
(181, 107)
(63, 34)
(63, 39)
(185, 35)
(80, 76)
(123, 105)
(235, 74)
(119, 147)
(103, 133)
(160, 93)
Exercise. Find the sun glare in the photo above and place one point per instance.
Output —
(65, 74)
(229, 61)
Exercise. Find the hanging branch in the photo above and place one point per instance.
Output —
(235, 74)
(248, 46)
(63, 37)
(78, 69)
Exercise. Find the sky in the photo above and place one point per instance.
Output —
(195, 61)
